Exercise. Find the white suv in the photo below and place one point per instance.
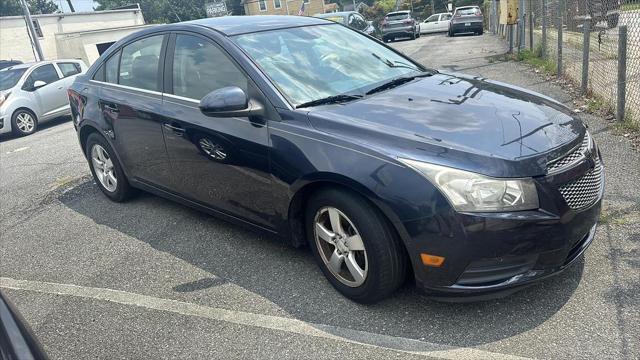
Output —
(35, 92)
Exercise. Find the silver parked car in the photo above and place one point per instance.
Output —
(35, 92)
(436, 23)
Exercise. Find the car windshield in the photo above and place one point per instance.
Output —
(315, 62)
(9, 78)
(398, 16)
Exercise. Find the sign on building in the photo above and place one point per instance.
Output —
(216, 8)
(508, 12)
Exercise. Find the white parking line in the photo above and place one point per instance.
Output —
(429, 350)
(18, 150)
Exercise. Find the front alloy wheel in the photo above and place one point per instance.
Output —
(340, 246)
(356, 248)
(24, 123)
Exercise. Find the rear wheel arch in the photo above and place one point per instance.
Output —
(85, 131)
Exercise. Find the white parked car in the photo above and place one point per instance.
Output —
(436, 23)
(35, 92)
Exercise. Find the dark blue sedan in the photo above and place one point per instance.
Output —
(309, 130)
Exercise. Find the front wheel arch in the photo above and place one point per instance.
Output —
(303, 190)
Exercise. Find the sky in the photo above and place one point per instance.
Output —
(79, 5)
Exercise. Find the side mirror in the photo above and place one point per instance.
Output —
(229, 101)
(38, 84)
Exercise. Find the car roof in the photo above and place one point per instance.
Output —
(234, 25)
(468, 7)
(399, 12)
(34, 63)
(333, 14)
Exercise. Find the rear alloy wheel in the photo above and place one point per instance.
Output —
(355, 247)
(106, 169)
(23, 122)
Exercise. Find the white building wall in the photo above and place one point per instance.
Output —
(14, 40)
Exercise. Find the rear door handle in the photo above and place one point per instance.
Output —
(110, 107)
(174, 129)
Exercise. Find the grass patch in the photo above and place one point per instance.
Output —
(630, 7)
(597, 104)
(535, 59)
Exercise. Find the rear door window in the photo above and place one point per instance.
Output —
(69, 68)
(139, 63)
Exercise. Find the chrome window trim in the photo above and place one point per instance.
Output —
(125, 87)
(183, 98)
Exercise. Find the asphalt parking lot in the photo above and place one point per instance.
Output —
(151, 279)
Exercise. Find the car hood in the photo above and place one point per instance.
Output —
(459, 120)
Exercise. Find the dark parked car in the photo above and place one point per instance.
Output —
(310, 130)
(399, 24)
(467, 19)
(352, 19)
(595, 10)
(16, 338)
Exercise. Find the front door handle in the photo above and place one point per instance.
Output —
(174, 129)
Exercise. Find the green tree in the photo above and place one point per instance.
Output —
(169, 11)
(12, 7)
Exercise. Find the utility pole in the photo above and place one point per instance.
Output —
(32, 31)
(71, 6)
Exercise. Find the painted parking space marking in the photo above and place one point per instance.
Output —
(295, 326)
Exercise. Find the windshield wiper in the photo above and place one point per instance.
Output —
(397, 82)
(394, 64)
(335, 99)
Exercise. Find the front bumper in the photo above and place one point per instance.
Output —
(490, 255)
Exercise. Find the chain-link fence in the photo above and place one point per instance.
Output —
(584, 40)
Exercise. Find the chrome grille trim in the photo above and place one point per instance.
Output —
(585, 191)
(572, 158)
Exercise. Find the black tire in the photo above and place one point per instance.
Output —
(481, 32)
(386, 259)
(14, 122)
(123, 191)
(413, 36)
(450, 33)
(385, 39)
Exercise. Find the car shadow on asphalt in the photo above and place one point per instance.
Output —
(290, 278)
(48, 124)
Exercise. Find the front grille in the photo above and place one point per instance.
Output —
(584, 191)
(572, 158)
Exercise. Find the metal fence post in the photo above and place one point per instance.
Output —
(544, 29)
(559, 25)
(622, 73)
(522, 26)
(510, 31)
(530, 26)
(586, 28)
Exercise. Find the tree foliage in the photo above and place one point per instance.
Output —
(12, 7)
(170, 11)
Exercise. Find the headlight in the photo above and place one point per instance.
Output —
(471, 192)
